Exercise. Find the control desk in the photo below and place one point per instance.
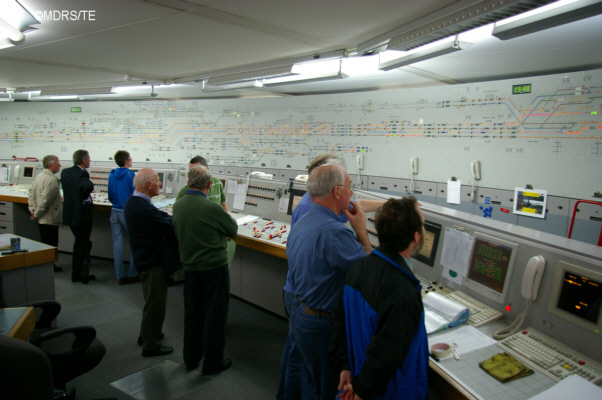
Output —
(551, 283)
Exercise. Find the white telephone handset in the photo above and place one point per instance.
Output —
(414, 165)
(532, 277)
(360, 162)
(529, 289)
(475, 167)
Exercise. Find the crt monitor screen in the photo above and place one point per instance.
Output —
(577, 296)
(490, 266)
(428, 252)
(161, 177)
(295, 197)
(28, 171)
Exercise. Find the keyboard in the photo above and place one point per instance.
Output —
(480, 314)
(551, 358)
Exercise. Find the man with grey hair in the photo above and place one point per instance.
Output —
(45, 203)
(202, 228)
(150, 232)
(291, 364)
(77, 213)
(320, 250)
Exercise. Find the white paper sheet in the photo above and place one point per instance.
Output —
(246, 219)
(453, 191)
(283, 204)
(232, 186)
(468, 338)
(571, 387)
(455, 257)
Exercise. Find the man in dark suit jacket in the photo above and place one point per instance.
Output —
(77, 213)
(151, 234)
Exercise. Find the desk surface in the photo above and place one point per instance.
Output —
(17, 323)
(38, 253)
(472, 382)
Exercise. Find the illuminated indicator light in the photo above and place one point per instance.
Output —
(594, 112)
(508, 308)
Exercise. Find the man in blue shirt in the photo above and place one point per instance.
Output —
(291, 364)
(379, 341)
(320, 250)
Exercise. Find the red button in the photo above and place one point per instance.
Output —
(581, 362)
(524, 332)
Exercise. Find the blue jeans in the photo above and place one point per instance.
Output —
(311, 339)
(117, 230)
(289, 387)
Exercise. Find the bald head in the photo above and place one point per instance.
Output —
(147, 182)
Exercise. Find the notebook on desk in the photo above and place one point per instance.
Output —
(441, 313)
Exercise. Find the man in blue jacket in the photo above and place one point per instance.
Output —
(121, 187)
(379, 342)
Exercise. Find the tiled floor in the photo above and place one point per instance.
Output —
(254, 341)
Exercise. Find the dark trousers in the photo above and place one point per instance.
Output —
(82, 244)
(49, 234)
(154, 289)
(206, 298)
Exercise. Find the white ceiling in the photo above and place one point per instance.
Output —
(159, 41)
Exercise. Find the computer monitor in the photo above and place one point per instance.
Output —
(28, 172)
(427, 254)
(490, 267)
(577, 296)
(295, 196)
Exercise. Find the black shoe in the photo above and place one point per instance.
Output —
(161, 351)
(57, 269)
(161, 336)
(225, 364)
(87, 278)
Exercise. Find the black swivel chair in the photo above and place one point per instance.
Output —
(25, 371)
(72, 351)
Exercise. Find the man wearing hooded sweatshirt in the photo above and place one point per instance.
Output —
(121, 187)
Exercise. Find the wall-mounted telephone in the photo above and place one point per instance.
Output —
(475, 168)
(532, 277)
(360, 162)
(529, 290)
(17, 172)
(414, 165)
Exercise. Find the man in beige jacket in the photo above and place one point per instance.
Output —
(45, 203)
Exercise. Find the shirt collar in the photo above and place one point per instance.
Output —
(189, 191)
(139, 194)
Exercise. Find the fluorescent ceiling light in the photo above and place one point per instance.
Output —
(425, 53)
(309, 72)
(361, 66)
(249, 76)
(76, 91)
(547, 17)
(70, 97)
(281, 81)
(133, 89)
(14, 20)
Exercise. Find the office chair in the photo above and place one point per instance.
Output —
(72, 351)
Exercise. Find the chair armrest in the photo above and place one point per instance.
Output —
(50, 309)
(84, 336)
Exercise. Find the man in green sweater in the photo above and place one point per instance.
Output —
(216, 194)
(202, 228)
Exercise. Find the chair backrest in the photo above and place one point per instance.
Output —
(25, 371)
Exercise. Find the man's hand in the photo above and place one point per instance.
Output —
(345, 386)
(356, 217)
